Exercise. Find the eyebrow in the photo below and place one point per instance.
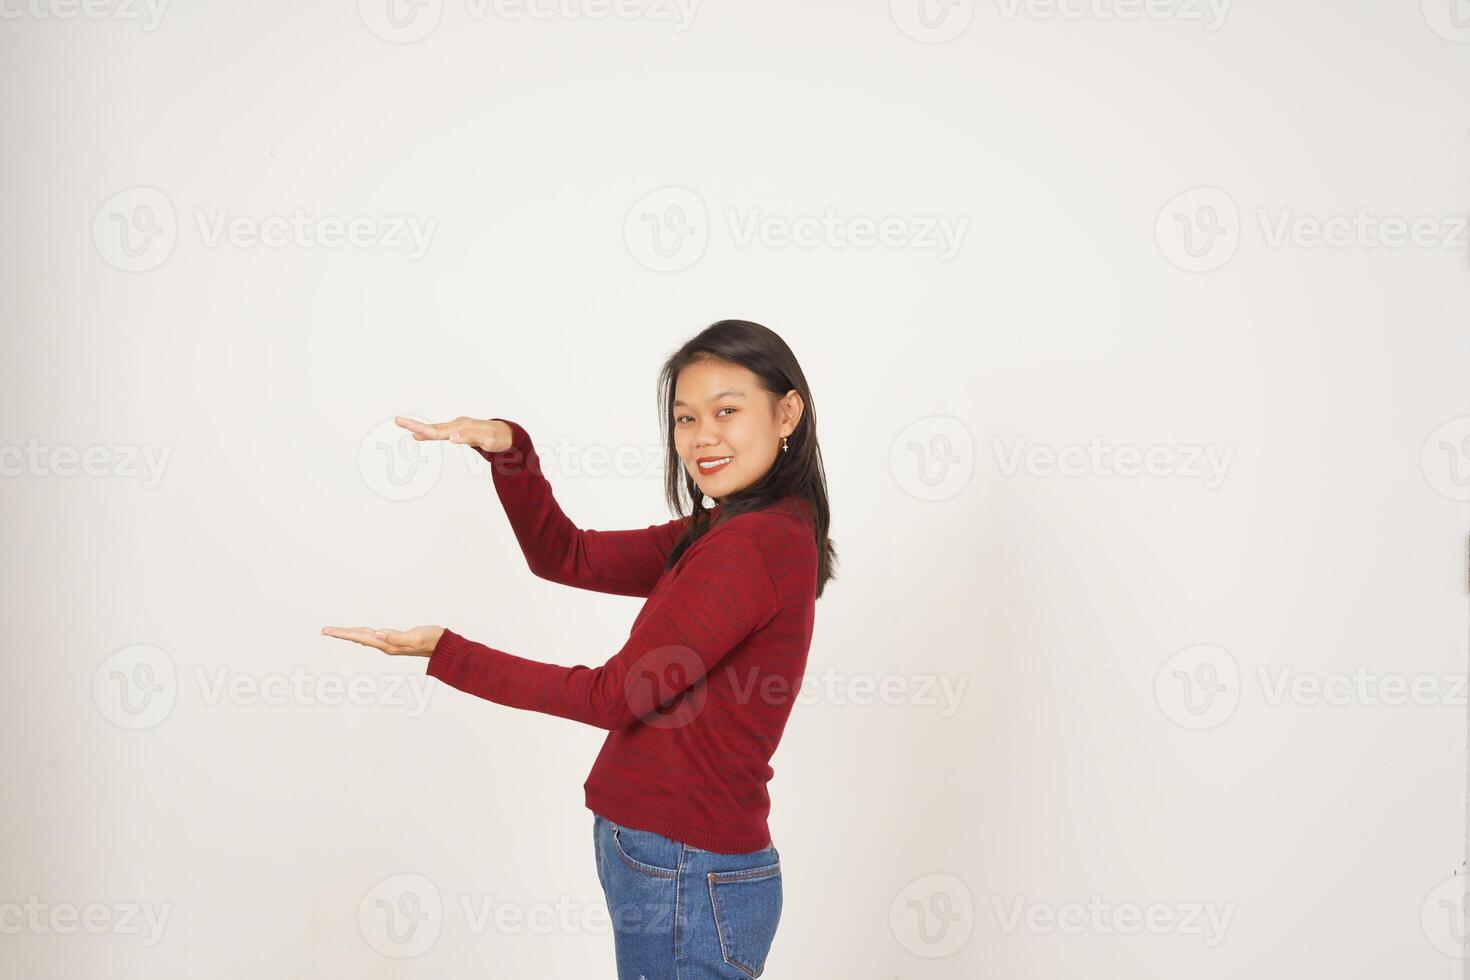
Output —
(715, 397)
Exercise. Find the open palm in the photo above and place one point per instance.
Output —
(417, 642)
(491, 435)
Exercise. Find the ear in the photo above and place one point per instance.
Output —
(790, 408)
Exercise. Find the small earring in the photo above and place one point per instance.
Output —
(784, 447)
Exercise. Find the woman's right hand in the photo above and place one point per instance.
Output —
(491, 435)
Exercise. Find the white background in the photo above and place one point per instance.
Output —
(1071, 770)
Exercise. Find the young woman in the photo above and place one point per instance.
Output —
(697, 698)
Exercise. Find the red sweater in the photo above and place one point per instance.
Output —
(696, 699)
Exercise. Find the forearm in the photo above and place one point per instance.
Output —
(485, 672)
(722, 595)
(622, 562)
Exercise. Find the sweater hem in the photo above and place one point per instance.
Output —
(705, 840)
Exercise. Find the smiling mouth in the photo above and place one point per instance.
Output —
(715, 464)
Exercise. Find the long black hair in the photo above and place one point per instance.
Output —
(797, 470)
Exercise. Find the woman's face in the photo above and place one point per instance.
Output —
(721, 412)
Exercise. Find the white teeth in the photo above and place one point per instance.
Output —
(718, 462)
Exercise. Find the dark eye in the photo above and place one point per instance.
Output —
(725, 409)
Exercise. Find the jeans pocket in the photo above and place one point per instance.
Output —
(747, 909)
(643, 850)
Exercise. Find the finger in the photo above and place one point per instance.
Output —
(421, 430)
(437, 430)
(470, 431)
(452, 430)
(357, 634)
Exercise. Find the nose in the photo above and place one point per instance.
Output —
(704, 437)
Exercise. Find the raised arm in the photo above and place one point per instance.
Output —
(619, 562)
(722, 595)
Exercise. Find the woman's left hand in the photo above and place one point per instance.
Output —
(417, 642)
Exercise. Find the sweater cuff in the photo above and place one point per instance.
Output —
(520, 441)
(446, 654)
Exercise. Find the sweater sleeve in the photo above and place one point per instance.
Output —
(619, 562)
(721, 595)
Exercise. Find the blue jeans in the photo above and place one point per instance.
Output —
(681, 913)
